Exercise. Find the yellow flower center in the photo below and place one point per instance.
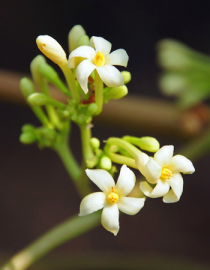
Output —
(99, 60)
(112, 197)
(165, 174)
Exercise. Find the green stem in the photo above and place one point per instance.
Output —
(41, 116)
(88, 155)
(71, 82)
(132, 150)
(55, 237)
(98, 92)
(123, 160)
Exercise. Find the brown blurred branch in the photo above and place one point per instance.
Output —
(146, 115)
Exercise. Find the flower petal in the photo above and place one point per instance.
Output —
(91, 203)
(182, 164)
(126, 181)
(130, 206)
(159, 190)
(152, 171)
(163, 155)
(110, 218)
(141, 161)
(84, 69)
(118, 57)
(101, 178)
(110, 76)
(176, 183)
(82, 51)
(101, 45)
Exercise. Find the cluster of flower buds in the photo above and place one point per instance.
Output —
(186, 73)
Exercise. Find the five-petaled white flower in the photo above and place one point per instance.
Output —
(98, 57)
(164, 171)
(112, 198)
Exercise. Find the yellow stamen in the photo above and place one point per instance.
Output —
(165, 174)
(112, 197)
(99, 60)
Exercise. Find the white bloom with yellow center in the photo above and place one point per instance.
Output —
(112, 198)
(97, 56)
(164, 171)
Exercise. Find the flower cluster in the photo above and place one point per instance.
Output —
(163, 171)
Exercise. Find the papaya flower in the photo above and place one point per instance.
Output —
(97, 56)
(163, 172)
(112, 198)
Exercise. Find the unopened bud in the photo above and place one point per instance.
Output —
(49, 134)
(27, 128)
(27, 87)
(92, 108)
(75, 33)
(149, 144)
(94, 143)
(52, 76)
(115, 93)
(37, 99)
(52, 49)
(37, 77)
(126, 76)
(28, 138)
(105, 163)
(83, 40)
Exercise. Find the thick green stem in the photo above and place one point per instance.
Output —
(71, 82)
(55, 237)
(88, 154)
(98, 92)
(123, 160)
(132, 150)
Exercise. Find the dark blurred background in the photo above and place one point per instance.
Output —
(35, 191)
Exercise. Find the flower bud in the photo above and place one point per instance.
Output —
(37, 99)
(149, 144)
(75, 33)
(126, 76)
(27, 87)
(52, 49)
(27, 128)
(52, 76)
(28, 138)
(49, 134)
(105, 163)
(94, 143)
(83, 40)
(115, 93)
(92, 108)
(37, 77)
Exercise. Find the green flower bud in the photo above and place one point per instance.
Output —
(27, 128)
(149, 144)
(115, 93)
(28, 138)
(94, 143)
(37, 77)
(49, 134)
(52, 76)
(126, 76)
(27, 87)
(92, 108)
(75, 33)
(105, 163)
(83, 40)
(37, 99)
(91, 162)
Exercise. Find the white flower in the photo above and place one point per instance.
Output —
(97, 56)
(112, 198)
(164, 171)
(52, 49)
